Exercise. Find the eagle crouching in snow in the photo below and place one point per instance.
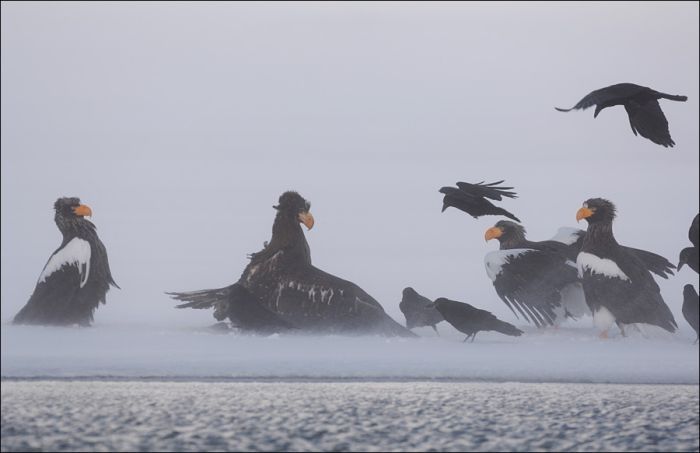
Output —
(280, 290)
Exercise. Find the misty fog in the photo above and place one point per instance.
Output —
(181, 124)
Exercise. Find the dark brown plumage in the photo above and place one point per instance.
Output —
(617, 284)
(280, 288)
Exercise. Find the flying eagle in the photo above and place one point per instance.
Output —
(76, 278)
(641, 104)
(281, 290)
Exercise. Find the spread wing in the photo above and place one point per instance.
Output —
(573, 237)
(530, 281)
(649, 121)
(321, 301)
(490, 190)
(652, 262)
(236, 303)
(612, 94)
(474, 203)
(312, 299)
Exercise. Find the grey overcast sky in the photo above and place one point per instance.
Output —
(180, 125)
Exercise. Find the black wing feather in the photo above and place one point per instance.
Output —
(490, 190)
(532, 282)
(649, 121)
(694, 231)
(53, 299)
(613, 94)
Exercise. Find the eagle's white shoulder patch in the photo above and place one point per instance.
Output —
(77, 253)
(495, 260)
(597, 265)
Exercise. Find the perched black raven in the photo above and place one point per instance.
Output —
(471, 320)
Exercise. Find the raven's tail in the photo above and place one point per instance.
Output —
(506, 328)
(674, 97)
(392, 328)
(205, 298)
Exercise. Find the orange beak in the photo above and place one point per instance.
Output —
(307, 219)
(583, 213)
(83, 210)
(493, 232)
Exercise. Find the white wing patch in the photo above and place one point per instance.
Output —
(76, 253)
(567, 235)
(598, 265)
(495, 260)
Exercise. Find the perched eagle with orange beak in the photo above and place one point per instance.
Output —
(76, 278)
(280, 290)
(537, 279)
(618, 286)
(572, 238)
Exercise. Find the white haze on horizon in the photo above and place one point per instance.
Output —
(181, 124)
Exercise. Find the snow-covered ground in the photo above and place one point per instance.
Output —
(565, 355)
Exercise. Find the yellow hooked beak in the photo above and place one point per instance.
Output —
(82, 210)
(307, 219)
(493, 232)
(583, 213)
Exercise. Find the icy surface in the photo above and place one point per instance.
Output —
(568, 354)
(187, 416)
